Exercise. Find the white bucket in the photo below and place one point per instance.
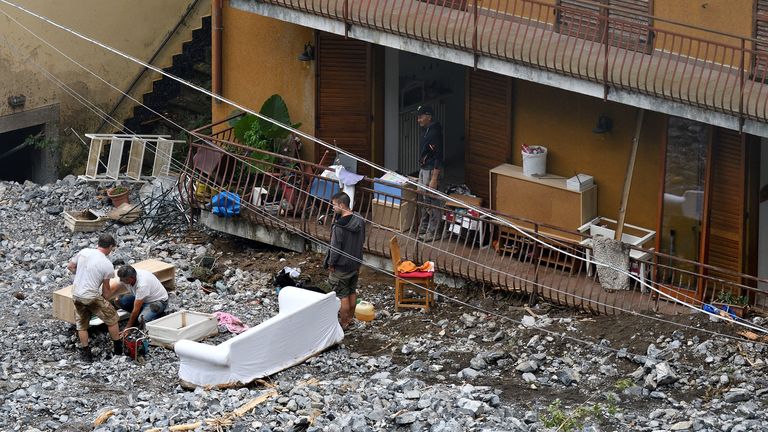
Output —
(535, 163)
(258, 196)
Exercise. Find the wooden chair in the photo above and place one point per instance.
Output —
(423, 297)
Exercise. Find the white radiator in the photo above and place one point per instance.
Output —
(410, 134)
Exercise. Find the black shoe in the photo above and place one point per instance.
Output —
(118, 347)
(86, 355)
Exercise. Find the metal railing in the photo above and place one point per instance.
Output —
(290, 194)
(650, 55)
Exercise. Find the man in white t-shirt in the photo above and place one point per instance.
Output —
(147, 298)
(92, 272)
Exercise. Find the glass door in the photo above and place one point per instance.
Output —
(682, 209)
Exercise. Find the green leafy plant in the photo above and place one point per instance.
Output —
(728, 297)
(557, 417)
(623, 384)
(264, 135)
(117, 190)
(40, 142)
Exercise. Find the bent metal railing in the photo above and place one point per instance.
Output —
(290, 194)
(649, 55)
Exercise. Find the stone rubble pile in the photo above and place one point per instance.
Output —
(467, 372)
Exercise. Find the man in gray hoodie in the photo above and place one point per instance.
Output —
(345, 256)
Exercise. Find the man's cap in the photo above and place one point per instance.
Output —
(424, 110)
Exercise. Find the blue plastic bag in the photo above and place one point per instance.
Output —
(225, 204)
(716, 311)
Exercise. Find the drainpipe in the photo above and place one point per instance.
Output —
(189, 10)
(216, 48)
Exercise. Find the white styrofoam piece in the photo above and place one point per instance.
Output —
(121, 315)
(115, 156)
(163, 152)
(306, 325)
(135, 159)
(168, 330)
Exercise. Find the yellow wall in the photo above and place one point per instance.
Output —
(734, 17)
(136, 27)
(259, 59)
(563, 122)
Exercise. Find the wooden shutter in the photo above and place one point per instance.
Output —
(343, 102)
(453, 4)
(761, 35)
(580, 20)
(725, 224)
(489, 127)
(632, 32)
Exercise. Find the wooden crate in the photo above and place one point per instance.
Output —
(64, 308)
(83, 221)
(184, 324)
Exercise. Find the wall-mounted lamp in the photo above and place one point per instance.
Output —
(17, 101)
(604, 125)
(308, 54)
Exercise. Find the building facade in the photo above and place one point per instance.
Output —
(501, 74)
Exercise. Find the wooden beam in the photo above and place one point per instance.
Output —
(628, 178)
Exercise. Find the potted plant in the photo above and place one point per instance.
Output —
(118, 195)
(729, 302)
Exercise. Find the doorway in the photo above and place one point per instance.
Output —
(20, 153)
(413, 80)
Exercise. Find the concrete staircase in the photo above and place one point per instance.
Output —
(185, 106)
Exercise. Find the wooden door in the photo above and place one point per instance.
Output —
(343, 99)
(724, 241)
(489, 127)
(760, 62)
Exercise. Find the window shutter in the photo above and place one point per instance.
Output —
(344, 96)
(725, 226)
(581, 20)
(761, 35)
(489, 127)
(633, 35)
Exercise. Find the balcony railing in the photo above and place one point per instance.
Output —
(625, 50)
(292, 197)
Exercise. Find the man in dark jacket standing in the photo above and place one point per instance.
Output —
(345, 256)
(430, 172)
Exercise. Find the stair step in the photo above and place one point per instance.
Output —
(195, 107)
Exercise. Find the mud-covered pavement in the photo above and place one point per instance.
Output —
(455, 368)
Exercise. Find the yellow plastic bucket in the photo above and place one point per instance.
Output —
(364, 311)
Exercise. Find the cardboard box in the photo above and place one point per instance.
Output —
(396, 216)
(64, 308)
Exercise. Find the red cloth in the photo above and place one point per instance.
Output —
(414, 275)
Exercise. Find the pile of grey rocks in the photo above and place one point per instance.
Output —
(456, 369)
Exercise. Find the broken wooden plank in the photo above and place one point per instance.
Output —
(243, 409)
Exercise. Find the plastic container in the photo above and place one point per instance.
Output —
(535, 164)
(364, 311)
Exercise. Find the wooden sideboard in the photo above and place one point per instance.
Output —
(544, 200)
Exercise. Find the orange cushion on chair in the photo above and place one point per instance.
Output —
(416, 275)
